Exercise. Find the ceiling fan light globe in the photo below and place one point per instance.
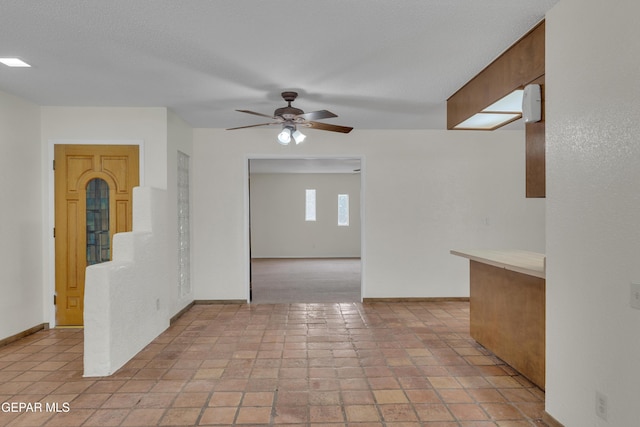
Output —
(284, 137)
(298, 136)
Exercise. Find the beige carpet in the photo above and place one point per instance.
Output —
(305, 280)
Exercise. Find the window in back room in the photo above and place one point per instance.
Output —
(343, 209)
(310, 205)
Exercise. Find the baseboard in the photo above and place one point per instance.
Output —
(416, 299)
(23, 334)
(220, 301)
(181, 312)
(550, 421)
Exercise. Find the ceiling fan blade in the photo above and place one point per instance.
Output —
(317, 115)
(255, 114)
(252, 126)
(330, 127)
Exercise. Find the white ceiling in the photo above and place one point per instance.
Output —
(377, 64)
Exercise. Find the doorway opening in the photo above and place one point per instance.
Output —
(302, 256)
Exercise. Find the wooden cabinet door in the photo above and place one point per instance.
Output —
(115, 171)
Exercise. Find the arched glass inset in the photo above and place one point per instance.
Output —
(98, 240)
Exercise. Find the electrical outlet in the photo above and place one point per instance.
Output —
(601, 405)
(634, 297)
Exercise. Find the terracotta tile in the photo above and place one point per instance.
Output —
(168, 386)
(137, 386)
(467, 412)
(208, 373)
(455, 396)
(290, 415)
(233, 384)
(389, 396)
(34, 388)
(143, 417)
(264, 373)
(398, 412)
(324, 384)
(258, 399)
(502, 411)
(293, 384)
(322, 373)
(357, 397)
(520, 395)
(180, 417)
(219, 416)
(381, 383)
(156, 400)
(254, 415)
(423, 396)
(26, 419)
(292, 372)
(361, 413)
(191, 400)
(123, 400)
(444, 382)
(262, 384)
(105, 386)
(225, 399)
(486, 395)
(90, 400)
(433, 412)
(325, 413)
(530, 409)
(324, 398)
(353, 384)
(106, 418)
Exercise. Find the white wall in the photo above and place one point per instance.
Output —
(21, 253)
(112, 124)
(278, 226)
(126, 298)
(424, 193)
(593, 210)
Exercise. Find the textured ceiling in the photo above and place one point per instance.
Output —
(377, 64)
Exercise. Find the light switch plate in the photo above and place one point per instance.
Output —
(634, 297)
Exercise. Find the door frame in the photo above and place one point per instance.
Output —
(50, 269)
(247, 225)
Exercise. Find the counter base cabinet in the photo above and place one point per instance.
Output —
(507, 313)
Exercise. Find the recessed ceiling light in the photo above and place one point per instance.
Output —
(511, 103)
(14, 62)
(488, 121)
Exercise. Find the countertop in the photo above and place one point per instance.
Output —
(525, 262)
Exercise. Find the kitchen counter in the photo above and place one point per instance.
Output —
(525, 262)
(507, 291)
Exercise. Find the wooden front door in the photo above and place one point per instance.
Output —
(93, 201)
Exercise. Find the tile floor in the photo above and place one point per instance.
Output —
(377, 364)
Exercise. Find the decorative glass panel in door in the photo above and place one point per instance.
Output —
(98, 240)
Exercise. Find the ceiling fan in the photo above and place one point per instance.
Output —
(290, 118)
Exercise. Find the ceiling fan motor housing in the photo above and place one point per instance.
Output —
(288, 112)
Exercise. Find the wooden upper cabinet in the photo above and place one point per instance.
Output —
(522, 64)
